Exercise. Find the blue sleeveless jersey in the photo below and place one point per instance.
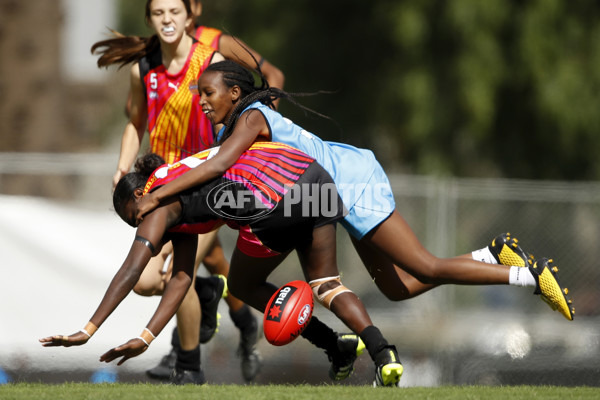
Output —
(350, 167)
(360, 180)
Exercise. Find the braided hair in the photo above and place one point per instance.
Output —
(144, 167)
(233, 74)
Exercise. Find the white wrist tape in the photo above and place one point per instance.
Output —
(143, 340)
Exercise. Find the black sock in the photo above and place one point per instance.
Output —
(188, 360)
(246, 323)
(242, 318)
(320, 335)
(374, 341)
(175, 339)
(205, 288)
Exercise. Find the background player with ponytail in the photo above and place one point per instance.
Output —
(163, 65)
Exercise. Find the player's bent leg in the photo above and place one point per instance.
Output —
(187, 364)
(396, 240)
(250, 359)
(182, 364)
(188, 320)
(215, 261)
(166, 367)
(395, 283)
(248, 278)
(153, 279)
(319, 262)
(205, 244)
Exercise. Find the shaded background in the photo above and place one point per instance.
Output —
(503, 88)
(485, 114)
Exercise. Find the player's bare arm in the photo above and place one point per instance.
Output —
(135, 128)
(147, 242)
(184, 249)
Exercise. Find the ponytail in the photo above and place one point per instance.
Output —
(124, 49)
(129, 49)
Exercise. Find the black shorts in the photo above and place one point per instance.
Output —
(312, 202)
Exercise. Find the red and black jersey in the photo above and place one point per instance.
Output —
(274, 194)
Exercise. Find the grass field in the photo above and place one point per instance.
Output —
(283, 392)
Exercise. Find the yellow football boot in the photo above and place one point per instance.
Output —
(349, 346)
(388, 370)
(506, 251)
(549, 289)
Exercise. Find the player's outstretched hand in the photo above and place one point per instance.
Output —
(131, 349)
(76, 339)
(146, 204)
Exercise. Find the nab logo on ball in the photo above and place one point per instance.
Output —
(288, 313)
(283, 295)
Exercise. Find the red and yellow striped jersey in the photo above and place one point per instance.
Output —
(177, 126)
(208, 36)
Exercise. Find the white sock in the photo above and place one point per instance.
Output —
(484, 255)
(519, 276)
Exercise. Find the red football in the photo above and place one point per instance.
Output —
(288, 313)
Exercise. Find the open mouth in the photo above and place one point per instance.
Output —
(168, 29)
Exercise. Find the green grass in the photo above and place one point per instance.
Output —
(87, 391)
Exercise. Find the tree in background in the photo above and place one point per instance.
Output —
(504, 88)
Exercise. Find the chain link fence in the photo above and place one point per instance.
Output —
(490, 334)
(451, 334)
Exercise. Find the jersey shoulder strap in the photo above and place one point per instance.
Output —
(208, 36)
(151, 61)
(148, 63)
